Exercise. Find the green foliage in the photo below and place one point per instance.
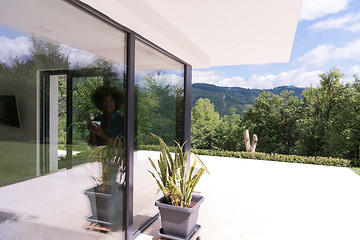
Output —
(172, 175)
(329, 126)
(267, 156)
(356, 170)
(113, 166)
(228, 132)
(159, 108)
(204, 121)
(17, 162)
(84, 108)
(273, 119)
(225, 98)
(323, 122)
(48, 56)
(276, 157)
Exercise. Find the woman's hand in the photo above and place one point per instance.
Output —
(89, 125)
(95, 128)
(98, 130)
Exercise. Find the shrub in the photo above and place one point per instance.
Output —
(277, 157)
(265, 156)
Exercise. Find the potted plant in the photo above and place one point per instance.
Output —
(106, 198)
(178, 207)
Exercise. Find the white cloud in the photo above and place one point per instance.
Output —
(349, 22)
(354, 27)
(296, 77)
(210, 77)
(355, 69)
(231, 82)
(216, 78)
(322, 54)
(175, 79)
(319, 55)
(349, 73)
(11, 48)
(77, 57)
(22, 46)
(312, 9)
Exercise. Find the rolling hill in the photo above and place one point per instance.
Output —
(224, 98)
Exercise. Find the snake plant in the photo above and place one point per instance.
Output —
(112, 159)
(172, 175)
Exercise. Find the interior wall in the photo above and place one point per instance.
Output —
(23, 87)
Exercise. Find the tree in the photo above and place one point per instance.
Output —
(48, 56)
(157, 102)
(273, 118)
(204, 121)
(343, 135)
(321, 122)
(228, 133)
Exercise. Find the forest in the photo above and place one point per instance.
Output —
(323, 121)
(224, 98)
(319, 121)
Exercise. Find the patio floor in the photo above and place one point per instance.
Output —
(263, 200)
(244, 199)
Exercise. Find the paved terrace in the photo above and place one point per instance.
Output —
(244, 199)
(262, 200)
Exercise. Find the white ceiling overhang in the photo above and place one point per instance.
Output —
(208, 33)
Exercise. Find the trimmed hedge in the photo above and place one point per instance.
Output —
(265, 156)
(277, 157)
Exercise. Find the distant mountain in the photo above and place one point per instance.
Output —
(224, 98)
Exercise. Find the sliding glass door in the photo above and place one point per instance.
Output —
(74, 82)
(159, 109)
(62, 76)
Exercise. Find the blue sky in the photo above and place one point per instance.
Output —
(328, 35)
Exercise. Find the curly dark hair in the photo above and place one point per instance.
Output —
(100, 93)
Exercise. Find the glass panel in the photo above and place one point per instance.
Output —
(159, 86)
(60, 72)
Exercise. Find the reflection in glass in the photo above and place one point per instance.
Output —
(159, 104)
(51, 77)
(9, 115)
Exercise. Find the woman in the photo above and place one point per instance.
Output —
(108, 100)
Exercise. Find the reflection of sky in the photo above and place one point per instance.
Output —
(173, 77)
(19, 47)
(14, 44)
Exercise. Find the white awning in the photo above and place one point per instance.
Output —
(208, 33)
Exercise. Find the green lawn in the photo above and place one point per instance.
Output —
(17, 162)
(356, 170)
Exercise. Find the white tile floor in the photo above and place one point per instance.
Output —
(262, 200)
(244, 199)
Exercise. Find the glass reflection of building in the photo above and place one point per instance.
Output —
(51, 59)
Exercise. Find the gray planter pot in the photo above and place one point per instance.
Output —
(179, 221)
(106, 209)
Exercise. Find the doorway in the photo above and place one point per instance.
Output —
(65, 109)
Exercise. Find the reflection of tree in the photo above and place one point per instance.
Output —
(48, 56)
(157, 103)
(18, 76)
(84, 83)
